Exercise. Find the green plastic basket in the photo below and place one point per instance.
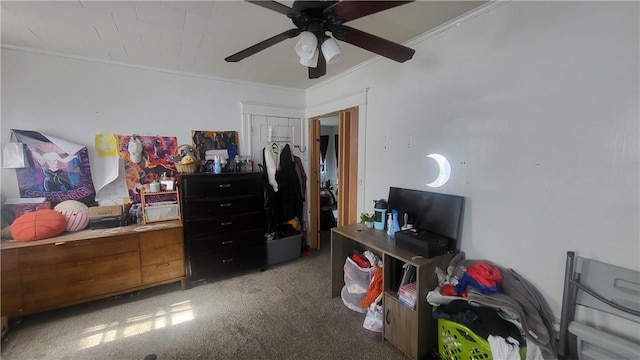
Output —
(457, 342)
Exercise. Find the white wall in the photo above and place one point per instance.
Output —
(536, 105)
(75, 99)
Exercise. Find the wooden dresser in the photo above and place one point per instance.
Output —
(223, 223)
(88, 265)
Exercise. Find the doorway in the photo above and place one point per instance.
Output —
(333, 185)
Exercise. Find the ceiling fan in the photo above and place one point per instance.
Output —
(313, 19)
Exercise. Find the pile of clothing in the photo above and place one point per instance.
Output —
(483, 284)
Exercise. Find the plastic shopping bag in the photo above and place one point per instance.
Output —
(373, 320)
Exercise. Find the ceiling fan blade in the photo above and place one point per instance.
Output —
(273, 5)
(373, 43)
(351, 10)
(320, 69)
(262, 45)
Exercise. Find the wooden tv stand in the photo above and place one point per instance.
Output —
(413, 331)
(88, 265)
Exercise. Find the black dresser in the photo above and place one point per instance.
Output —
(223, 222)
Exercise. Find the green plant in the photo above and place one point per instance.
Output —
(365, 217)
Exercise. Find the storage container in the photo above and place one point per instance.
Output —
(161, 212)
(284, 249)
(458, 342)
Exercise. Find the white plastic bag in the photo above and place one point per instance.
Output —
(13, 155)
(373, 320)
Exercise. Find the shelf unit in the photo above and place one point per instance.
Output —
(413, 331)
(156, 207)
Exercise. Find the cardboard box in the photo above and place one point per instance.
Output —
(105, 211)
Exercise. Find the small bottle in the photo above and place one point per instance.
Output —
(237, 163)
(139, 217)
(395, 225)
(217, 169)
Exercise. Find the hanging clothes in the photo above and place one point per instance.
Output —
(271, 161)
(302, 177)
(289, 196)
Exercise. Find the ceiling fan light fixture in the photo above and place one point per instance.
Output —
(312, 62)
(331, 50)
(307, 46)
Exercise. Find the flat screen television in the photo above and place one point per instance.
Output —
(438, 213)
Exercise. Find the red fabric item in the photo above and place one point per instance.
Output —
(449, 290)
(485, 274)
(375, 288)
(362, 262)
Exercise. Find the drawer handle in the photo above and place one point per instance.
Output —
(225, 185)
(225, 205)
(80, 263)
(227, 260)
(60, 243)
(227, 242)
(226, 223)
(386, 317)
(86, 281)
(164, 265)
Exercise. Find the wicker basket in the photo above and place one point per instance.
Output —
(187, 168)
(456, 341)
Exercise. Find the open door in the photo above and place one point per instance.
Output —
(347, 172)
(313, 232)
(348, 167)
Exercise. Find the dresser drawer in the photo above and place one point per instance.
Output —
(218, 225)
(10, 280)
(163, 270)
(160, 247)
(214, 186)
(52, 294)
(252, 257)
(9, 259)
(11, 303)
(80, 250)
(213, 265)
(225, 243)
(207, 207)
(78, 272)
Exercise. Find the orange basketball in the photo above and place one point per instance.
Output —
(39, 224)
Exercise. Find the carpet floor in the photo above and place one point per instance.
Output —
(285, 312)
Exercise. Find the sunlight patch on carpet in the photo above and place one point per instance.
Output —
(104, 333)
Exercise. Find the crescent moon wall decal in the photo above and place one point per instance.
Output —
(445, 170)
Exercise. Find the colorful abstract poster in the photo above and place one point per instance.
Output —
(57, 170)
(215, 140)
(146, 158)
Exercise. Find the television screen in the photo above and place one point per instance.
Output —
(434, 212)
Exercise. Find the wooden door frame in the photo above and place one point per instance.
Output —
(347, 171)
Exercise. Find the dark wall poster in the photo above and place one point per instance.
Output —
(57, 170)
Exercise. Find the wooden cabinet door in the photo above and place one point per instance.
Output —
(400, 325)
(161, 255)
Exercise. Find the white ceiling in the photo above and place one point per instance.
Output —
(196, 36)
